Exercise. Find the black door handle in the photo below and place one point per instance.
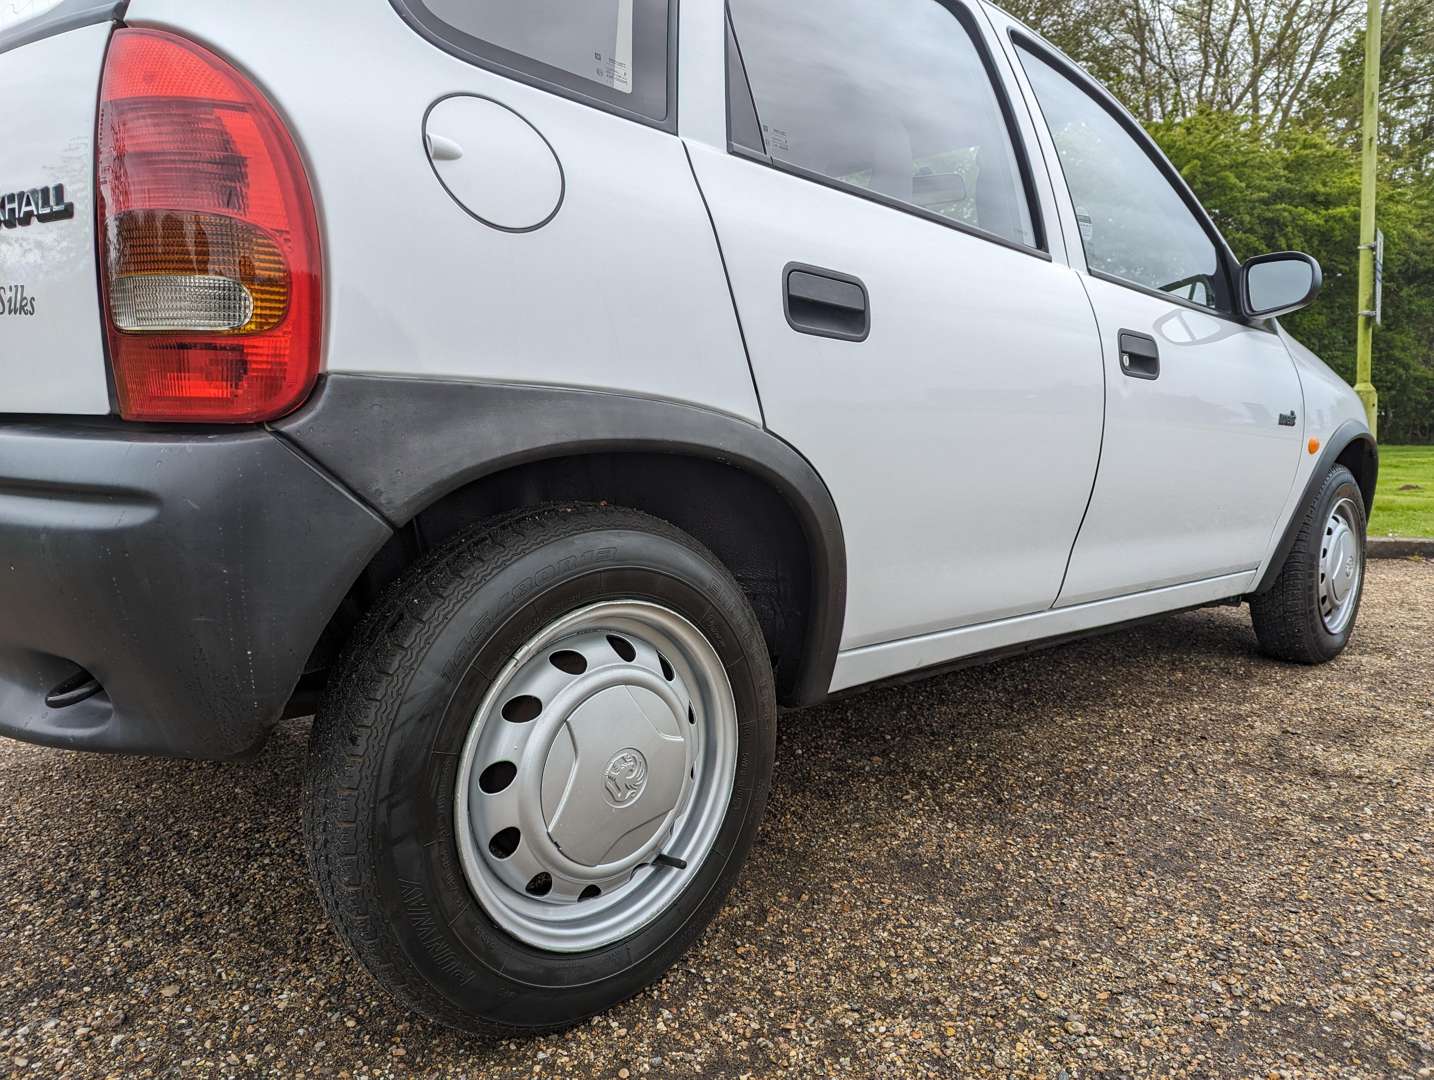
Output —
(825, 303)
(1139, 355)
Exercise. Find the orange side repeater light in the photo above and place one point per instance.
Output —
(1314, 446)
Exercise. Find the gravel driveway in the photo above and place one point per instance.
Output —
(1147, 854)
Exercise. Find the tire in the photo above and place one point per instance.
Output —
(399, 728)
(1293, 618)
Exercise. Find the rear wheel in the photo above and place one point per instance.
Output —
(540, 767)
(1308, 613)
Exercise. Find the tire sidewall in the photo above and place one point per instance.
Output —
(439, 924)
(1341, 485)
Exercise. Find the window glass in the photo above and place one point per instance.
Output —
(891, 98)
(615, 50)
(1133, 223)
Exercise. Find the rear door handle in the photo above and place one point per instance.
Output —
(1139, 355)
(825, 303)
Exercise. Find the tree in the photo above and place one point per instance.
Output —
(1298, 189)
(1168, 59)
(1406, 91)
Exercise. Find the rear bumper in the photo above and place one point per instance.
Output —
(190, 574)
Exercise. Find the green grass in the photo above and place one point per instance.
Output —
(1404, 513)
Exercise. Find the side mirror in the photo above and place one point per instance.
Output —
(1278, 284)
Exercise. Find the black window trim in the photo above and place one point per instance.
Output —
(730, 45)
(1229, 263)
(544, 76)
(962, 14)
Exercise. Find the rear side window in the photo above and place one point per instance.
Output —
(1133, 223)
(614, 52)
(894, 100)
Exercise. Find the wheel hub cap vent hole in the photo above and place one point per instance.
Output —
(571, 662)
(522, 709)
(667, 672)
(590, 892)
(622, 647)
(505, 843)
(541, 885)
(497, 776)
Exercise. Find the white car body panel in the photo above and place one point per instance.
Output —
(1328, 404)
(984, 502)
(52, 356)
(623, 290)
(1326, 400)
(702, 73)
(1195, 464)
(907, 427)
(953, 378)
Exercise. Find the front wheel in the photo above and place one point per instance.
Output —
(1307, 615)
(540, 766)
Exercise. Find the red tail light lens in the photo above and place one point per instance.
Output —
(209, 242)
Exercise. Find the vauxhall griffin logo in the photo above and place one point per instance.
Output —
(625, 776)
(38, 204)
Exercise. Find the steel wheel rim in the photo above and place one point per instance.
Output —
(1341, 567)
(619, 782)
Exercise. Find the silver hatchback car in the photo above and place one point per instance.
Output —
(546, 392)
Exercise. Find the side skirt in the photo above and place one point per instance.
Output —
(948, 650)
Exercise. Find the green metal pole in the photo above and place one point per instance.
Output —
(1364, 354)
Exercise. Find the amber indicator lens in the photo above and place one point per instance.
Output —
(174, 271)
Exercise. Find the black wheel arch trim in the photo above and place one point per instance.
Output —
(402, 444)
(1348, 434)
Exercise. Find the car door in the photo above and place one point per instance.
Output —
(909, 329)
(1202, 428)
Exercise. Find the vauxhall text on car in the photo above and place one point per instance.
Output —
(548, 392)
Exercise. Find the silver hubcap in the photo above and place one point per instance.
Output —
(1341, 564)
(596, 775)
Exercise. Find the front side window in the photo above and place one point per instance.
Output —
(893, 99)
(1133, 223)
(612, 50)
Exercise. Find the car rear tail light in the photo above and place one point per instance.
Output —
(209, 245)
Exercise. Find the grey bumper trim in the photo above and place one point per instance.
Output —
(189, 573)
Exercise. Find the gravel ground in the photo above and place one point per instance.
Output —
(1145, 855)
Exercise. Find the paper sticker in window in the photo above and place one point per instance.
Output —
(618, 69)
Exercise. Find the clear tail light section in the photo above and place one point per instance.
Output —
(209, 244)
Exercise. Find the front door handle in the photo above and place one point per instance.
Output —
(825, 303)
(1139, 355)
